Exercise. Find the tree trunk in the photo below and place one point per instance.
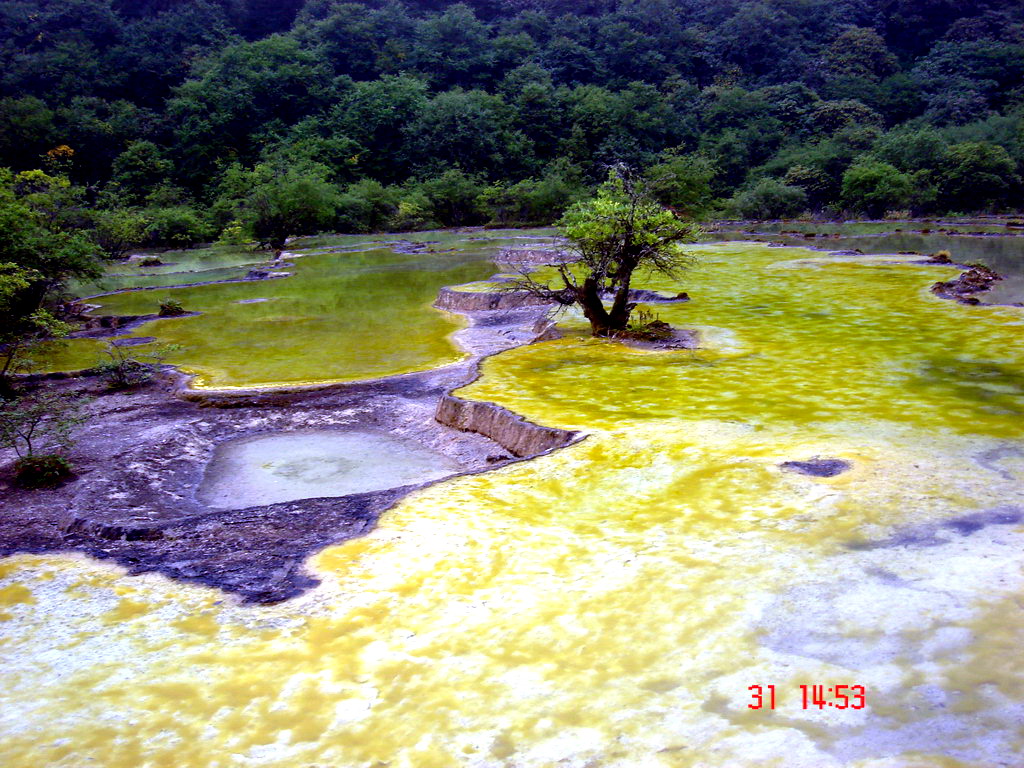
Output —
(593, 308)
(621, 307)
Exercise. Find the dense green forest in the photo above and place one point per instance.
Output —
(168, 122)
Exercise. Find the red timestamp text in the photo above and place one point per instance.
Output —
(812, 696)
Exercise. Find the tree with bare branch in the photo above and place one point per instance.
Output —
(621, 231)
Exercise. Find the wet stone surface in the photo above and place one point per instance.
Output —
(817, 467)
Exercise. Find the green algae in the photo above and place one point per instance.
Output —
(1003, 254)
(857, 228)
(342, 316)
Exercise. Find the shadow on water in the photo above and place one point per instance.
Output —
(989, 386)
(938, 534)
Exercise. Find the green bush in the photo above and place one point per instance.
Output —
(41, 471)
(874, 188)
(177, 226)
(171, 308)
(126, 367)
(453, 198)
(531, 202)
(38, 428)
(369, 206)
(413, 214)
(645, 325)
(233, 234)
(770, 199)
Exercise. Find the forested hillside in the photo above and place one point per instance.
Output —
(184, 118)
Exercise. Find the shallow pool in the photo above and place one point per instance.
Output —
(268, 469)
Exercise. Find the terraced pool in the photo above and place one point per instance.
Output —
(354, 309)
(612, 603)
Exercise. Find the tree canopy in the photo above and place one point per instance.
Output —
(619, 231)
(760, 107)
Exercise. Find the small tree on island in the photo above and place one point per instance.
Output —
(614, 235)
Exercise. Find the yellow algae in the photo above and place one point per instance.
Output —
(609, 604)
(128, 609)
(201, 624)
(16, 594)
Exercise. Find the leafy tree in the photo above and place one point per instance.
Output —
(964, 80)
(770, 199)
(368, 206)
(683, 182)
(39, 257)
(976, 176)
(242, 94)
(27, 130)
(358, 41)
(912, 150)
(138, 170)
(855, 64)
(175, 226)
(288, 201)
(468, 127)
(831, 116)
(454, 47)
(118, 230)
(816, 184)
(453, 198)
(534, 201)
(125, 367)
(621, 230)
(874, 188)
(379, 116)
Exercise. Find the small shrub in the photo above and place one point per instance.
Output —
(124, 370)
(645, 325)
(233, 234)
(41, 471)
(38, 428)
(151, 261)
(941, 257)
(171, 308)
(178, 226)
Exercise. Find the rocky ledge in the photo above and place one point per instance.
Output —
(509, 430)
(452, 300)
(977, 279)
(526, 258)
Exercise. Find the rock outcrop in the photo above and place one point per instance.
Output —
(817, 467)
(977, 279)
(509, 430)
(485, 301)
(532, 257)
